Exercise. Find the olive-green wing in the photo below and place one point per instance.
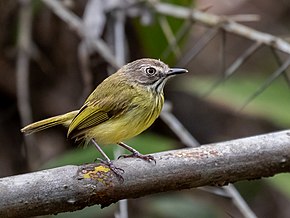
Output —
(100, 107)
(113, 97)
(89, 116)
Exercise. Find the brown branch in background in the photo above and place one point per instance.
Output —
(223, 22)
(169, 35)
(71, 188)
(84, 60)
(187, 139)
(93, 22)
(76, 24)
(198, 46)
(22, 77)
(228, 24)
(241, 59)
(268, 82)
(176, 126)
(222, 53)
(183, 30)
(120, 43)
(23, 59)
(234, 66)
(279, 61)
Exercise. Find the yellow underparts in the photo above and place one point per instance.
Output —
(129, 124)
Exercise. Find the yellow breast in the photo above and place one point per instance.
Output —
(147, 108)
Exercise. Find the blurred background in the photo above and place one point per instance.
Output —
(53, 54)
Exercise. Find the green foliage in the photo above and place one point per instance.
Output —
(173, 205)
(152, 38)
(272, 104)
(176, 205)
(281, 182)
(144, 143)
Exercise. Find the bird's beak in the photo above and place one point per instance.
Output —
(174, 71)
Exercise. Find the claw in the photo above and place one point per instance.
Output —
(116, 170)
(147, 158)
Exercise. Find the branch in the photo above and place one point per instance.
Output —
(23, 58)
(77, 25)
(188, 140)
(72, 188)
(223, 22)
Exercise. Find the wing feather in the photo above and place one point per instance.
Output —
(100, 107)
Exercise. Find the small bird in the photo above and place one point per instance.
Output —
(121, 107)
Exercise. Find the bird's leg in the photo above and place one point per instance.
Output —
(107, 161)
(135, 153)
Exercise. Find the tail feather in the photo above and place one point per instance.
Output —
(63, 119)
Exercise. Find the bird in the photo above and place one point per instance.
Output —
(122, 106)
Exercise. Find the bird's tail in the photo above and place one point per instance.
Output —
(64, 119)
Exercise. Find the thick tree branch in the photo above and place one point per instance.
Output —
(72, 188)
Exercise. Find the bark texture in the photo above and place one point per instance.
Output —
(71, 188)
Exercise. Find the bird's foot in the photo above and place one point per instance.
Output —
(116, 170)
(135, 154)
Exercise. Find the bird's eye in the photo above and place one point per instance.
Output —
(151, 71)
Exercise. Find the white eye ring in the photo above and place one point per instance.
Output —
(151, 71)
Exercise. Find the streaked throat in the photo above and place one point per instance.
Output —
(158, 85)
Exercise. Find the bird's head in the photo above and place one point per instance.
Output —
(150, 73)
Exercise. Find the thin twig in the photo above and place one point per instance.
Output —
(76, 24)
(223, 51)
(239, 201)
(198, 46)
(234, 66)
(268, 82)
(188, 140)
(169, 35)
(123, 209)
(244, 17)
(176, 126)
(84, 59)
(223, 22)
(183, 30)
(278, 59)
(23, 59)
(94, 21)
(242, 58)
(22, 78)
(120, 37)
